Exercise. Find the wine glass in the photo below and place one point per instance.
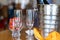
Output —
(29, 23)
(17, 24)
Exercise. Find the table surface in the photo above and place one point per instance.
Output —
(6, 35)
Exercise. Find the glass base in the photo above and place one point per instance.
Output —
(14, 38)
(30, 38)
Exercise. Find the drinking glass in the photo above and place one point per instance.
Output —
(17, 24)
(29, 23)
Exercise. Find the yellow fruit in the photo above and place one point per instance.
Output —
(37, 34)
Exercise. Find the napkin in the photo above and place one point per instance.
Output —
(53, 36)
(37, 34)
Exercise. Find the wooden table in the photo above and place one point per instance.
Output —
(6, 35)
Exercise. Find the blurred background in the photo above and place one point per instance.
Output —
(48, 15)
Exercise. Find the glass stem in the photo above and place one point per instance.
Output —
(16, 37)
(30, 31)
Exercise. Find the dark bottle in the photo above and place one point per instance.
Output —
(11, 8)
(42, 2)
